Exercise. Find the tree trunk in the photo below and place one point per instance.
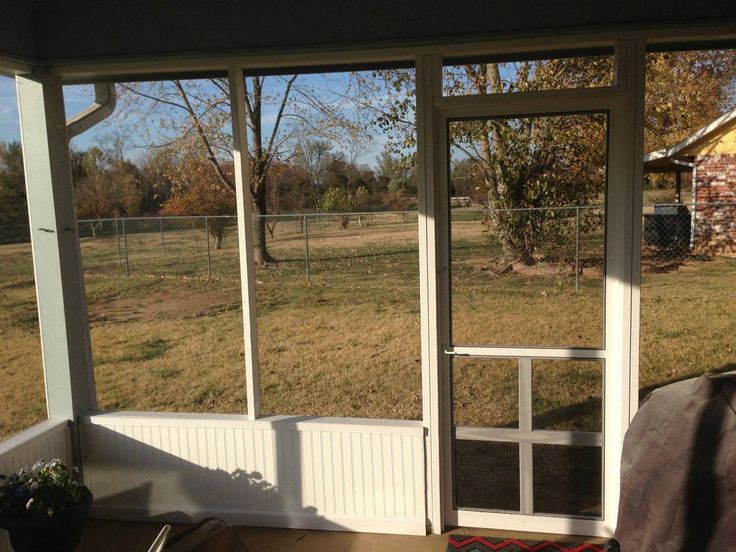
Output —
(262, 256)
(271, 227)
(501, 192)
(217, 232)
(525, 255)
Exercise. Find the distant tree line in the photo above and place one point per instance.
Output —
(168, 182)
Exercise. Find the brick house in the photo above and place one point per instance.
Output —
(710, 156)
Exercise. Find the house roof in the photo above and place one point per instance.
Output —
(662, 160)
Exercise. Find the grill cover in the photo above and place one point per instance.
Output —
(678, 488)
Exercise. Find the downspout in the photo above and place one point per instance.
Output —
(694, 183)
(101, 109)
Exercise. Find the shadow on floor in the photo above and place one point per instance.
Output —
(121, 536)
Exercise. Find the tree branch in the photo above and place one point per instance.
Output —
(289, 82)
(152, 98)
(211, 157)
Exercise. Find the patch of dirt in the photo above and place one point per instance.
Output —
(542, 269)
(499, 267)
(656, 266)
(166, 303)
(21, 284)
(495, 268)
(353, 236)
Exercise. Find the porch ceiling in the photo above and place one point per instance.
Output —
(50, 32)
(17, 40)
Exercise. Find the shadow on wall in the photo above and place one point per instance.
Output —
(143, 482)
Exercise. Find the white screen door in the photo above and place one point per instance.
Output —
(529, 187)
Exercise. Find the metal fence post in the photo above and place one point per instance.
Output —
(209, 256)
(161, 228)
(196, 240)
(693, 222)
(125, 244)
(117, 241)
(577, 248)
(306, 248)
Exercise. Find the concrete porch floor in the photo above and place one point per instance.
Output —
(127, 536)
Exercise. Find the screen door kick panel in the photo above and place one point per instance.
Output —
(521, 446)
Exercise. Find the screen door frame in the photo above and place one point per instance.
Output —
(620, 280)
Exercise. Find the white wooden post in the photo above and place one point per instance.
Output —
(433, 285)
(623, 243)
(245, 238)
(635, 92)
(62, 305)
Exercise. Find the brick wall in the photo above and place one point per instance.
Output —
(715, 214)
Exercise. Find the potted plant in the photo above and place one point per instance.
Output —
(43, 507)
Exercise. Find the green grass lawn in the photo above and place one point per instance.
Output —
(167, 338)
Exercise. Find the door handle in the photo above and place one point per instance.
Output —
(451, 352)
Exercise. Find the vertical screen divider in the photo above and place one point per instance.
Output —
(245, 239)
(526, 462)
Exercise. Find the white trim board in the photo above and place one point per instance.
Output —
(239, 421)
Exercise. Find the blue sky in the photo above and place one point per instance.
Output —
(332, 87)
(9, 130)
(76, 98)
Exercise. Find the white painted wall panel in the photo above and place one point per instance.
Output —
(49, 439)
(360, 475)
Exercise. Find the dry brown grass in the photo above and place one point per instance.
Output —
(168, 339)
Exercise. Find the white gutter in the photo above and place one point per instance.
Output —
(694, 181)
(101, 109)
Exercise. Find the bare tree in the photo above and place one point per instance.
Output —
(194, 117)
(263, 151)
(314, 157)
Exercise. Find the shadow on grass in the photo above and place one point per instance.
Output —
(372, 255)
(664, 260)
(591, 407)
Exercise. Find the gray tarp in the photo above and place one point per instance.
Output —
(678, 489)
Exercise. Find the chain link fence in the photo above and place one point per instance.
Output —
(14, 233)
(320, 241)
(181, 246)
(207, 246)
(568, 239)
(675, 232)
